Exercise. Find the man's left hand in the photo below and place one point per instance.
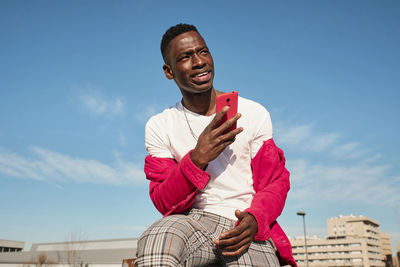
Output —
(238, 239)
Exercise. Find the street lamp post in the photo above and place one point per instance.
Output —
(303, 214)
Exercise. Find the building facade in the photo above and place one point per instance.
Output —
(11, 246)
(396, 258)
(386, 249)
(96, 253)
(351, 241)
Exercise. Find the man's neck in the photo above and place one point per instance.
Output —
(202, 103)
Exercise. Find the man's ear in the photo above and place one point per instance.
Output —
(168, 72)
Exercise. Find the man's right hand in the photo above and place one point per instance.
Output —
(213, 140)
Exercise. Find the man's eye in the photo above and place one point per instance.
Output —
(183, 58)
(204, 51)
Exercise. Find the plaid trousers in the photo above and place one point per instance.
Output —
(188, 240)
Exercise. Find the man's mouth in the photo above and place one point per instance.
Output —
(202, 77)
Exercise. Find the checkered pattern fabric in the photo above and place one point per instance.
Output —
(187, 240)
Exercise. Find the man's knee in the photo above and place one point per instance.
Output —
(172, 224)
(165, 240)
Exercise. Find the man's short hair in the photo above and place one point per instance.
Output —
(171, 33)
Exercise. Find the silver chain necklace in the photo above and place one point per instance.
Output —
(187, 121)
(190, 128)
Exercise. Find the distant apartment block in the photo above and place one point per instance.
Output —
(386, 249)
(396, 259)
(354, 241)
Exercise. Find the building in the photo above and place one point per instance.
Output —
(98, 253)
(11, 246)
(351, 241)
(396, 260)
(386, 249)
(337, 252)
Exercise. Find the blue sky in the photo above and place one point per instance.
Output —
(79, 79)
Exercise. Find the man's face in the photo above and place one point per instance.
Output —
(190, 63)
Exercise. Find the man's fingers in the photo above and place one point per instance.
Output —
(214, 124)
(223, 128)
(237, 245)
(238, 239)
(233, 241)
(236, 252)
(229, 136)
(223, 141)
(236, 231)
(218, 117)
(239, 214)
(231, 233)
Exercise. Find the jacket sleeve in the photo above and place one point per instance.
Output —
(271, 183)
(173, 185)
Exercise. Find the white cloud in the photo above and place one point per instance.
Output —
(295, 135)
(94, 102)
(304, 138)
(349, 150)
(122, 139)
(323, 142)
(362, 183)
(143, 115)
(332, 169)
(46, 165)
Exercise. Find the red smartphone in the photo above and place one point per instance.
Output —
(227, 99)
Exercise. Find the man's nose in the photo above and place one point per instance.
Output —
(198, 61)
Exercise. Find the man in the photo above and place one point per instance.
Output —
(220, 191)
